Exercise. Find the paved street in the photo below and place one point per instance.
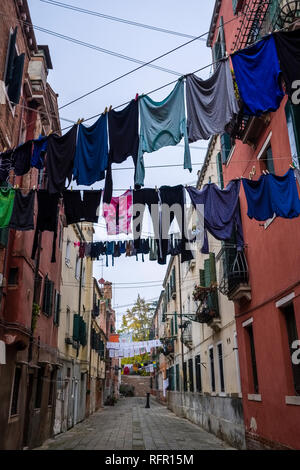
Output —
(130, 426)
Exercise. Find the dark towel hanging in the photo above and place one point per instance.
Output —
(123, 141)
(23, 211)
(22, 158)
(60, 159)
(47, 219)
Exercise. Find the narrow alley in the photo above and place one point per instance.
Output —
(129, 425)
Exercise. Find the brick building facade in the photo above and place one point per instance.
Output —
(30, 289)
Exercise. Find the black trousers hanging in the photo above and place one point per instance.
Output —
(159, 203)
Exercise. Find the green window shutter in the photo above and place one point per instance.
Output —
(213, 302)
(11, 53)
(174, 279)
(207, 272)
(176, 323)
(225, 147)
(76, 320)
(57, 308)
(52, 297)
(222, 37)
(212, 263)
(220, 171)
(82, 332)
(217, 52)
(4, 232)
(14, 88)
(202, 277)
(172, 326)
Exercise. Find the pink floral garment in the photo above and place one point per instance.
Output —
(118, 214)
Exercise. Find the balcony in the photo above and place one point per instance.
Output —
(168, 346)
(234, 277)
(208, 306)
(187, 337)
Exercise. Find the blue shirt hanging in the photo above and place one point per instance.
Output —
(257, 70)
(272, 194)
(39, 149)
(91, 152)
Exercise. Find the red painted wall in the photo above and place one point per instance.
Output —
(273, 257)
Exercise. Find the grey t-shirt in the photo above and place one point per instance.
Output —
(211, 103)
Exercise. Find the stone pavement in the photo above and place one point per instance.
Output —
(130, 426)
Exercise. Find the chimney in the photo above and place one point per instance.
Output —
(107, 290)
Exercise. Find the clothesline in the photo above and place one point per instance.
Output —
(83, 152)
(174, 81)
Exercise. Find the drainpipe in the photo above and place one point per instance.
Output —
(181, 324)
(80, 280)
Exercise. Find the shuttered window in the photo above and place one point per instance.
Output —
(198, 373)
(48, 297)
(220, 171)
(57, 308)
(14, 70)
(225, 147)
(76, 320)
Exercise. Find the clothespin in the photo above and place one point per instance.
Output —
(292, 166)
(33, 188)
(105, 111)
(264, 172)
(110, 108)
(50, 132)
(80, 120)
(156, 189)
(71, 188)
(136, 97)
(5, 148)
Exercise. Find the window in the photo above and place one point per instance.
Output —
(68, 320)
(237, 362)
(37, 289)
(77, 268)
(226, 147)
(249, 330)
(184, 377)
(83, 277)
(221, 367)
(266, 160)
(292, 333)
(220, 171)
(198, 373)
(51, 388)
(212, 369)
(15, 394)
(171, 379)
(13, 276)
(292, 113)
(14, 70)
(39, 388)
(68, 252)
(177, 378)
(191, 375)
(219, 47)
(175, 323)
(57, 308)
(48, 297)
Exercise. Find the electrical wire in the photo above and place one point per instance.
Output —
(120, 20)
(94, 47)
(144, 65)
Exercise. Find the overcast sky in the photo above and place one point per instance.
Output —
(77, 70)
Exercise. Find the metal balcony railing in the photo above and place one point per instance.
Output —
(233, 270)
